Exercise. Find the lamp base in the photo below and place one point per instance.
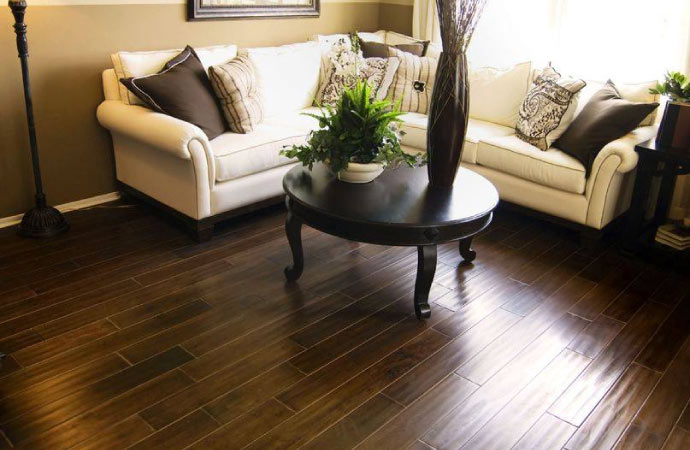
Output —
(42, 222)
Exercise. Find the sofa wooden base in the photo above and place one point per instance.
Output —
(200, 230)
(590, 238)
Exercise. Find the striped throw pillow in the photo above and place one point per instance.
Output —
(237, 87)
(413, 82)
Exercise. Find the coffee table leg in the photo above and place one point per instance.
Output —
(293, 230)
(465, 246)
(426, 268)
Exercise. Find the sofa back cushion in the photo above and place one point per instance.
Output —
(496, 94)
(138, 64)
(289, 75)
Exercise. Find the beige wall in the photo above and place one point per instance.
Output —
(70, 46)
(396, 18)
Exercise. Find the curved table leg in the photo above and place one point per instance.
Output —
(426, 268)
(465, 246)
(293, 230)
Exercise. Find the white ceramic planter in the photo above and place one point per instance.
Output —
(360, 173)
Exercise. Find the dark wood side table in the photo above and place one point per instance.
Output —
(654, 161)
(398, 208)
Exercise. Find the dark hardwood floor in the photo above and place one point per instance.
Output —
(124, 333)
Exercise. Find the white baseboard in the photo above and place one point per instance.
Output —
(71, 206)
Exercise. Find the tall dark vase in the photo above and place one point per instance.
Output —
(448, 114)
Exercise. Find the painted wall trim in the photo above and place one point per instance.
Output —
(71, 206)
(179, 2)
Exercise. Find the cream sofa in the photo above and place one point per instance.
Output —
(173, 164)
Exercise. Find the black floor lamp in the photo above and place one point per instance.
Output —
(42, 221)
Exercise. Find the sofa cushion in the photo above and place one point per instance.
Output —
(295, 120)
(496, 94)
(289, 75)
(414, 126)
(138, 64)
(237, 155)
(513, 156)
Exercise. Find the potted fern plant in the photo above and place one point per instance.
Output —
(675, 125)
(357, 138)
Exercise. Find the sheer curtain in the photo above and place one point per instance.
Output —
(625, 40)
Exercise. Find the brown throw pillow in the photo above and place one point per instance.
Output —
(237, 86)
(605, 118)
(379, 50)
(182, 90)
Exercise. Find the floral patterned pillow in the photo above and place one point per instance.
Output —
(343, 66)
(548, 108)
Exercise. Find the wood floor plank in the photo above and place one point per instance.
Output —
(329, 377)
(548, 433)
(104, 309)
(14, 404)
(665, 404)
(234, 311)
(200, 393)
(75, 357)
(348, 316)
(469, 417)
(506, 428)
(679, 439)
(18, 341)
(215, 352)
(684, 420)
(635, 295)
(659, 352)
(80, 336)
(104, 417)
(356, 426)
(307, 423)
(243, 399)
(51, 309)
(527, 300)
(331, 348)
(418, 417)
(480, 368)
(122, 435)
(414, 384)
(584, 394)
(615, 411)
(596, 336)
(246, 428)
(180, 434)
(44, 418)
(606, 291)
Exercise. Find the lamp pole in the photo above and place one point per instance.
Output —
(42, 221)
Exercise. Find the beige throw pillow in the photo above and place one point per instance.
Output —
(548, 108)
(241, 98)
(413, 82)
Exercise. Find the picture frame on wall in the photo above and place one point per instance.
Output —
(242, 9)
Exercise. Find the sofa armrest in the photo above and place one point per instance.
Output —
(624, 148)
(155, 129)
(607, 189)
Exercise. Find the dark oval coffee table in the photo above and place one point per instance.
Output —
(398, 208)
